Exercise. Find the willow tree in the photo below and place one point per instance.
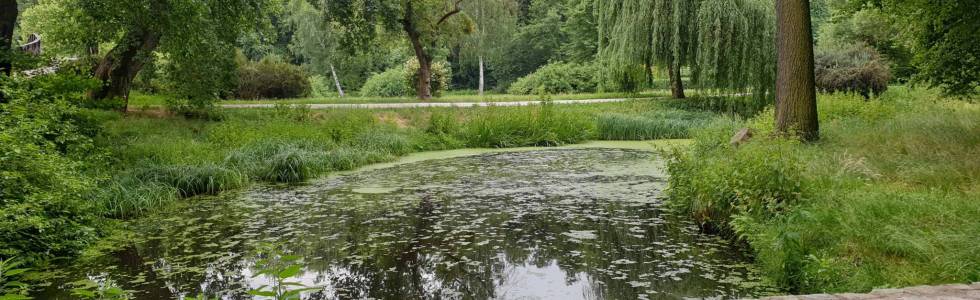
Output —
(426, 23)
(727, 44)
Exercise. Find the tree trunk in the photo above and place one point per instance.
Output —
(121, 65)
(676, 82)
(8, 20)
(482, 84)
(796, 95)
(424, 86)
(336, 81)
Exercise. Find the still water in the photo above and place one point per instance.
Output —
(544, 224)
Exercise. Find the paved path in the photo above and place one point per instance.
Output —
(430, 104)
(947, 292)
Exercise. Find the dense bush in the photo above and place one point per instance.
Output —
(558, 78)
(402, 80)
(321, 86)
(390, 83)
(271, 78)
(717, 182)
(43, 140)
(442, 74)
(851, 69)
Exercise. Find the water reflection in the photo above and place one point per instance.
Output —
(557, 224)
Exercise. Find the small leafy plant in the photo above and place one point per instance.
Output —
(279, 268)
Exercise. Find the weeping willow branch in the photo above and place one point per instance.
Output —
(728, 45)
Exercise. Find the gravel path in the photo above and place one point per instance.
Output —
(427, 104)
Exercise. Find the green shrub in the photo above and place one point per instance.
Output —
(271, 78)
(441, 74)
(390, 83)
(558, 78)
(719, 182)
(545, 125)
(321, 87)
(402, 80)
(43, 139)
(659, 124)
(851, 69)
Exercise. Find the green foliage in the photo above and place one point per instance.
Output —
(321, 86)
(851, 69)
(43, 140)
(271, 78)
(541, 126)
(390, 83)
(279, 268)
(660, 124)
(11, 286)
(558, 78)
(401, 80)
(873, 27)
(886, 199)
(726, 44)
(943, 35)
(441, 75)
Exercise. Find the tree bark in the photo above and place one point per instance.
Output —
(8, 20)
(425, 60)
(796, 95)
(676, 82)
(121, 65)
(482, 84)
(336, 81)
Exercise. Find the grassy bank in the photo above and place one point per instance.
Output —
(887, 198)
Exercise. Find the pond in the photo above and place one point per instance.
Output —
(541, 224)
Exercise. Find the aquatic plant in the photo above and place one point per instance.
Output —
(279, 268)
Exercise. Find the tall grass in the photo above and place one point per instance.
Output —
(537, 126)
(662, 124)
(887, 198)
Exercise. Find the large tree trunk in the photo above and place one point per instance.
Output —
(424, 86)
(121, 65)
(8, 20)
(796, 96)
(676, 82)
(336, 81)
(482, 83)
